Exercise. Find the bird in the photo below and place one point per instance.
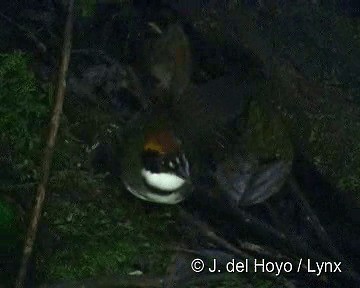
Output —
(160, 143)
(175, 141)
(155, 166)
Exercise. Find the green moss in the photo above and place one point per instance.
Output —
(266, 135)
(10, 242)
(109, 236)
(24, 110)
(350, 182)
(9, 226)
(23, 106)
(87, 7)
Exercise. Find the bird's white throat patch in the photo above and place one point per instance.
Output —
(162, 181)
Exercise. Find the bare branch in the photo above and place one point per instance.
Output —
(39, 45)
(49, 149)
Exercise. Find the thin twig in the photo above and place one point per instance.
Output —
(260, 226)
(16, 187)
(40, 45)
(262, 251)
(209, 233)
(49, 149)
(111, 281)
(320, 232)
(313, 219)
(133, 281)
(97, 53)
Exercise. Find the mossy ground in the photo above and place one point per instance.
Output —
(266, 135)
(10, 240)
(90, 225)
(94, 227)
(112, 233)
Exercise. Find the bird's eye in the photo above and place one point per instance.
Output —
(151, 161)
